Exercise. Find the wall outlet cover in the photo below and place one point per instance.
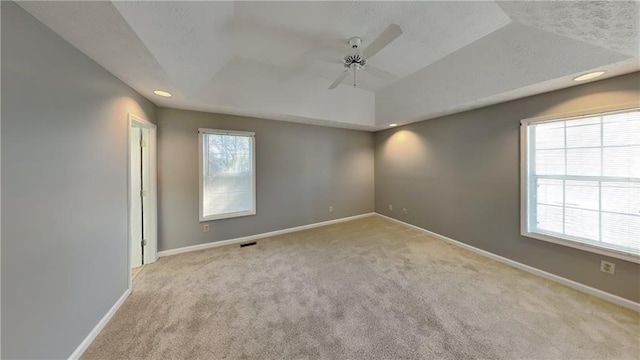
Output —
(607, 267)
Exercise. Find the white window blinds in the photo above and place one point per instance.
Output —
(583, 180)
(227, 174)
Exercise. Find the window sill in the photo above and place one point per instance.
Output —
(227, 216)
(582, 246)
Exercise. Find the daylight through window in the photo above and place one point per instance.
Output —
(227, 174)
(582, 182)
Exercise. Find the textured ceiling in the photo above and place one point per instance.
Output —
(610, 24)
(192, 43)
(311, 36)
(525, 59)
(276, 59)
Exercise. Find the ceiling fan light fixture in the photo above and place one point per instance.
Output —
(357, 60)
(588, 76)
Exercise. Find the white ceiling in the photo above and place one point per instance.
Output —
(276, 59)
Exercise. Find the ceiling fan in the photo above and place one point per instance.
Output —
(358, 60)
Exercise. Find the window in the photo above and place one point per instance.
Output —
(581, 182)
(227, 174)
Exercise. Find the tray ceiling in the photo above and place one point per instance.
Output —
(276, 59)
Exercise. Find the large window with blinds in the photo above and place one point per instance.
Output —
(227, 174)
(581, 182)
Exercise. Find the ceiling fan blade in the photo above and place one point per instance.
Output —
(323, 58)
(339, 80)
(387, 36)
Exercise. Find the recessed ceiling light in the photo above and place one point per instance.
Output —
(162, 93)
(588, 76)
(393, 125)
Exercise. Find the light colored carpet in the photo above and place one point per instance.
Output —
(365, 289)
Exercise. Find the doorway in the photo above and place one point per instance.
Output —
(142, 194)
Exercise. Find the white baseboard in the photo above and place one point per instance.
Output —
(258, 236)
(105, 319)
(101, 324)
(564, 281)
(559, 279)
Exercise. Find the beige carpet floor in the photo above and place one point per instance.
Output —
(365, 289)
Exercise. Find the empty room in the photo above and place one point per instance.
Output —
(320, 180)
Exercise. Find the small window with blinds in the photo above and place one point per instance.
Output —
(581, 182)
(227, 174)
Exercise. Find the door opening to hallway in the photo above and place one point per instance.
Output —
(142, 194)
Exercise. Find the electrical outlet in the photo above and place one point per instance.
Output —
(405, 211)
(607, 267)
(390, 207)
(330, 209)
(205, 227)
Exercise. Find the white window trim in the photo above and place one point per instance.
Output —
(201, 132)
(524, 181)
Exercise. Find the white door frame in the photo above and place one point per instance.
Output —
(150, 213)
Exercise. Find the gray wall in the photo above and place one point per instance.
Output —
(458, 176)
(64, 186)
(301, 171)
(64, 206)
